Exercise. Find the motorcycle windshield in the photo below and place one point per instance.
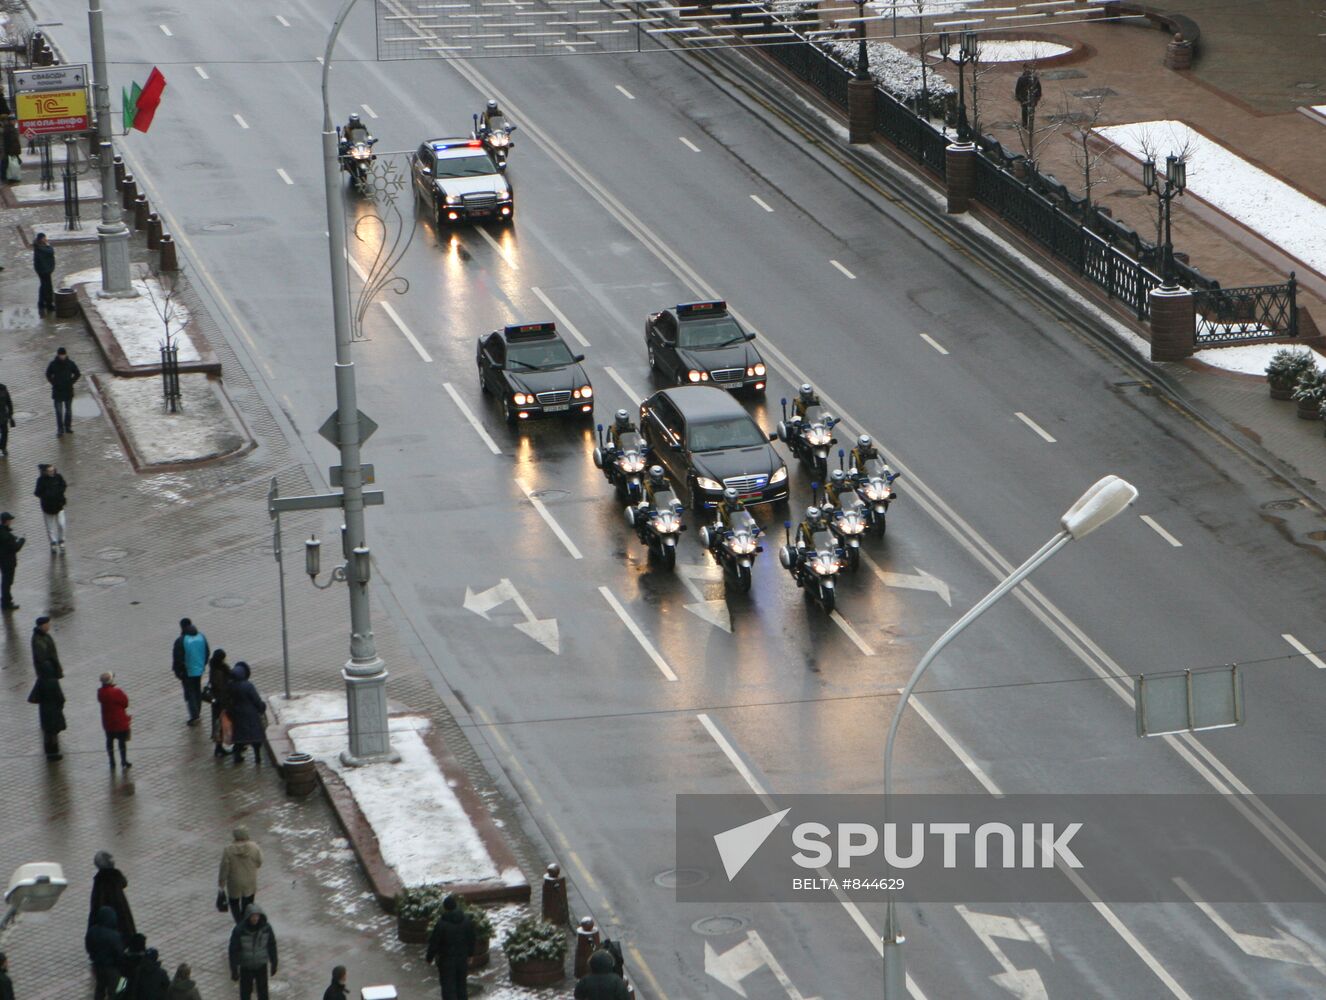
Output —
(824, 541)
(742, 521)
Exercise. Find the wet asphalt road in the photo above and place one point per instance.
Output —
(637, 183)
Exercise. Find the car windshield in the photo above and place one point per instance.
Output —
(540, 354)
(734, 432)
(712, 331)
(477, 165)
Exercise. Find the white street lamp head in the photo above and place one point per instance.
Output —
(1105, 500)
(35, 886)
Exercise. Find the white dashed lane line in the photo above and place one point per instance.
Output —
(1151, 523)
(640, 636)
(239, 120)
(851, 633)
(761, 202)
(843, 269)
(934, 343)
(468, 414)
(369, 111)
(166, 31)
(558, 315)
(282, 21)
(501, 250)
(688, 144)
(400, 324)
(631, 394)
(1308, 654)
(551, 521)
(626, 93)
(284, 176)
(201, 72)
(1045, 435)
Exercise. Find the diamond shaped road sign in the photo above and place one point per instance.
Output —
(330, 429)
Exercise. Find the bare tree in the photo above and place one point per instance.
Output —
(165, 302)
(977, 70)
(1079, 131)
(1179, 146)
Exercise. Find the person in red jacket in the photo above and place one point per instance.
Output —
(115, 719)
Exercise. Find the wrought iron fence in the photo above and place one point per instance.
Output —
(1244, 315)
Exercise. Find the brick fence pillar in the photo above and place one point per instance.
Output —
(1173, 324)
(860, 110)
(1178, 53)
(960, 175)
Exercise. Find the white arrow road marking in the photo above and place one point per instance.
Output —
(541, 630)
(735, 964)
(1307, 653)
(1284, 947)
(714, 612)
(921, 581)
(559, 316)
(1025, 984)
(639, 634)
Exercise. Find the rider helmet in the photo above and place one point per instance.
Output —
(807, 391)
(812, 513)
(623, 419)
(863, 442)
(731, 495)
(837, 476)
(354, 119)
(656, 473)
(492, 107)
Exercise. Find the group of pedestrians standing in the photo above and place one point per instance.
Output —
(239, 714)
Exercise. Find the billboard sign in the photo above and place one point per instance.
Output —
(50, 78)
(51, 112)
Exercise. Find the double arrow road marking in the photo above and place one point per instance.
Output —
(541, 630)
(715, 612)
(732, 966)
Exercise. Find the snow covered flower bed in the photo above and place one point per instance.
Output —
(1251, 359)
(999, 50)
(135, 322)
(896, 71)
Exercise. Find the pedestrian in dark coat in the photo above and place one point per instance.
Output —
(188, 659)
(50, 492)
(602, 983)
(6, 985)
(337, 990)
(252, 952)
(150, 981)
(105, 948)
(182, 987)
(6, 419)
(43, 647)
(450, 946)
(108, 887)
(13, 146)
(62, 373)
(115, 720)
(50, 698)
(218, 682)
(132, 959)
(10, 544)
(247, 711)
(43, 262)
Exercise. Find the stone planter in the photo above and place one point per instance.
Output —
(537, 972)
(1309, 409)
(412, 930)
(480, 956)
(1279, 390)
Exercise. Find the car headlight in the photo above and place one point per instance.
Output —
(778, 476)
(521, 399)
(453, 199)
(758, 368)
(584, 392)
(697, 376)
(632, 461)
(741, 543)
(708, 484)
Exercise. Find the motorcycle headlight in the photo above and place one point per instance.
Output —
(778, 476)
(361, 153)
(875, 490)
(632, 461)
(708, 484)
(851, 523)
(818, 434)
(666, 522)
(498, 140)
(697, 376)
(584, 392)
(741, 543)
(453, 199)
(824, 564)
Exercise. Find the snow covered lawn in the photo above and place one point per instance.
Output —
(896, 71)
(202, 429)
(422, 829)
(1251, 360)
(136, 324)
(998, 50)
(1280, 214)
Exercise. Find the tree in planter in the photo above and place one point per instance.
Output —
(536, 951)
(173, 316)
(1309, 392)
(1080, 129)
(1287, 364)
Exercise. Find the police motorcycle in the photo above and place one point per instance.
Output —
(494, 131)
(848, 515)
(814, 558)
(734, 543)
(657, 518)
(808, 432)
(872, 481)
(355, 145)
(622, 454)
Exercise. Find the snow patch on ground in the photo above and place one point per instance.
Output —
(1281, 215)
(30, 190)
(896, 71)
(1251, 359)
(425, 835)
(920, 8)
(200, 430)
(135, 323)
(997, 50)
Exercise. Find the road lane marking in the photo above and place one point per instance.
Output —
(319, 59)
(369, 111)
(501, 250)
(1308, 654)
(934, 343)
(846, 626)
(640, 637)
(240, 121)
(958, 751)
(1045, 435)
(761, 202)
(688, 144)
(201, 72)
(284, 23)
(559, 315)
(1150, 522)
(284, 176)
(414, 342)
(631, 394)
(843, 269)
(1282, 947)
(354, 266)
(166, 31)
(551, 521)
(468, 414)
(626, 93)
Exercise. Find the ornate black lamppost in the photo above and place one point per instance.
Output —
(1176, 179)
(968, 51)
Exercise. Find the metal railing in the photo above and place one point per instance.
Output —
(1248, 314)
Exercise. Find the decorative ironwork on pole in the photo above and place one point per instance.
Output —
(383, 228)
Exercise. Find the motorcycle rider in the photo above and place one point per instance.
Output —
(621, 425)
(837, 485)
(815, 521)
(656, 483)
(864, 451)
(728, 504)
(353, 131)
(492, 118)
(806, 398)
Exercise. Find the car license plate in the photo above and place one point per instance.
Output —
(557, 408)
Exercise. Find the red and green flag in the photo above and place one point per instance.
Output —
(140, 103)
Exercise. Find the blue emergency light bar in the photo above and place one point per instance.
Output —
(529, 331)
(686, 310)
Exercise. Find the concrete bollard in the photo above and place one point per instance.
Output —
(555, 908)
(860, 110)
(959, 175)
(1173, 324)
(168, 261)
(154, 231)
(141, 212)
(119, 173)
(1178, 54)
(587, 942)
(66, 303)
(129, 192)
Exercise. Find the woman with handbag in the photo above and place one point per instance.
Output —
(217, 693)
(248, 712)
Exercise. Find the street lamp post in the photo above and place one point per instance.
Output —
(968, 50)
(112, 233)
(862, 55)
(1176, 179)
(1106, 499)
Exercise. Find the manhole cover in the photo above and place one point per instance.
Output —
(1317, 536)
(1282, 505)
(1095, 93)
(108, 580)
(112, 555)
(1307, 86)
(1063, 74)
(218, 227)
(721, 924)
(228, 602)
(680, 878)
(550, 494)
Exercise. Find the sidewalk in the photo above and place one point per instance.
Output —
(143, 551)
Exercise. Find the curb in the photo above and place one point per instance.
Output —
(364, 842)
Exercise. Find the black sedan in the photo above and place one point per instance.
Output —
(701, 342)
(533, 373)
(459, 182)
(706, 439)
